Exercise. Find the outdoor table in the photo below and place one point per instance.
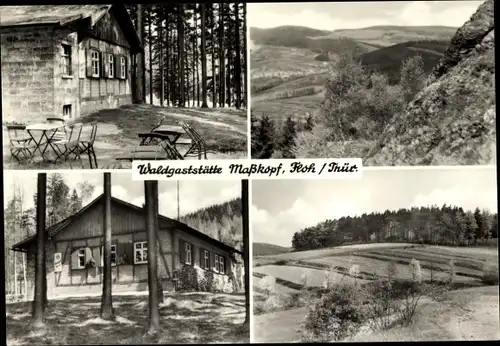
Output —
(143, 152)
(171, 133)
(47, 132)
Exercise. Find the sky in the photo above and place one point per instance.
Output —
(354, 15)
(193, 195)
(282, 207)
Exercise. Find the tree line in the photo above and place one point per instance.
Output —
(222, 221)
(194, 54)
(446, 225)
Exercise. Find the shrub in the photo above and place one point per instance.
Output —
(381, 305)
(188, 279)
(415, 270)
(451, 271)
(490, 274)
(337, 315)
(392, 270)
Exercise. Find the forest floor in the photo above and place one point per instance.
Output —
(185, 318)
(223, 129)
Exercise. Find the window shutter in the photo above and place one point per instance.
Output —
(118, 66)
(192, 255)
(97, 256)
(126, 67)
(182, 251)
(88, 55)
(74, 259)
(129, 254)
(225, 264)
(104, 65)
(202, 258)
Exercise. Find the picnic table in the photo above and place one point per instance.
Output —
(170, 133)
(39, 132)
(163, 151)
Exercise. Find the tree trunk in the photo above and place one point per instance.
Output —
(212, 41)
(24, 278)
(195, 47)
(246, 248)
(150, 42)
(151, 196)
(245, 57)
(160, 62)
(237, 63)
(40, 279)
(167, 58)
(222, 70)
(140, 66)
(197, 59)
(180, 29)
(106, 301)
(203, 56)
(15, 274)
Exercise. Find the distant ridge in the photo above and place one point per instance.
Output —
(263, 249)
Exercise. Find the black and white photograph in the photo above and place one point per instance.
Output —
(398, 255)
(124, 262)
(397, 83)
(97, 86)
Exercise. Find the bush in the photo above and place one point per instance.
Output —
(382, 305)
(490, 274)
(392, 270)
(337, 315)
(188, 279)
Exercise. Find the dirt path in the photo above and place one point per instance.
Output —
(478, 317)
(281, 326)
(206, 121)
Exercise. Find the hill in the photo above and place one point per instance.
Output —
(388, 35)
(220, 221)
(388, 59)
(264, 249)
(452, 120)
(301, 37)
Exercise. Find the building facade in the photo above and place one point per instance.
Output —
(74, 251)
(65, 60)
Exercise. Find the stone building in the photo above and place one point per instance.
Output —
(65, 60)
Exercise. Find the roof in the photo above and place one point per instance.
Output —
(61, 226)
(62, 15)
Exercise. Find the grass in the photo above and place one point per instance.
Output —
(224, 131)
(185, 318)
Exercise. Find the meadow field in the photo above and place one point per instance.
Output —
(291, 295)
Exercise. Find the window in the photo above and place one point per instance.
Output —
(187, 248)
(66, 60)
(221, 264)
(140, 252)
(216, 268)
(95, 63)
(67, 111)
(123, 67)
(206, 261)
(113, 255)
(81, 258)
(111, 61)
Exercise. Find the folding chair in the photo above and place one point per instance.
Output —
(59, 135)
(20, 142)
(87, 147)
(70, 143)
(198, 147)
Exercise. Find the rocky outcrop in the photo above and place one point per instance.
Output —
(452, 120)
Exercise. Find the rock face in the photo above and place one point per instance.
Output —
(452, 120)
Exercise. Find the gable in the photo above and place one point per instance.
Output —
(109, 30)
